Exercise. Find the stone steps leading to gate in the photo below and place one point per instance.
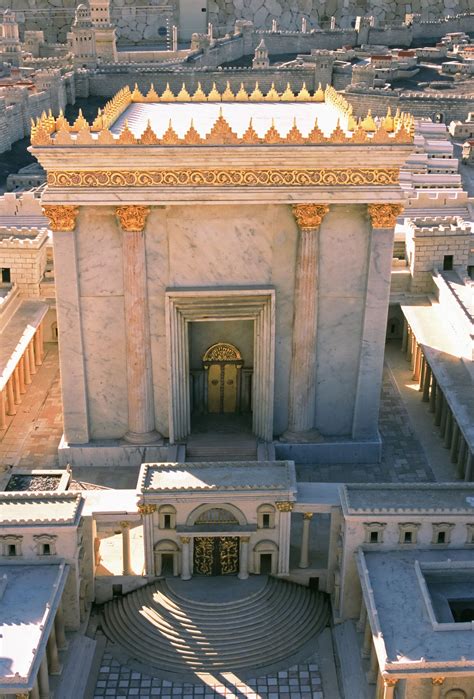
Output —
(176, 635)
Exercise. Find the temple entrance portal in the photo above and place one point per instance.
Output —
(223, 367)
(216, 555)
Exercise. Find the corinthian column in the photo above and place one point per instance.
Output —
(301, 407)
(141, 412)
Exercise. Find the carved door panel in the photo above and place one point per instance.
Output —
(229, 398)
(222, 388)
(214, 555)
(214, 388)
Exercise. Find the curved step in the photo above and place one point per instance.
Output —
(156, 626)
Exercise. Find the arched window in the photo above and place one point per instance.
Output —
(167, 517)
(216, 516)
(266, 517)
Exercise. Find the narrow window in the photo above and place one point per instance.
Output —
(6, 276)
(266, 521)
(167, 521)
(441, 538)
(12, 549)
(46, 550)
(447, 262)
(374, 537)
(407, 538)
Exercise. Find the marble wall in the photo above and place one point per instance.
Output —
(221, 246)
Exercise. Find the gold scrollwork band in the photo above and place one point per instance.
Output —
(188, 177)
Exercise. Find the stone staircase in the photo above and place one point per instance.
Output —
(221, 447)
(172, 634)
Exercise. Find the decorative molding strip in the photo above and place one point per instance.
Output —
(187, 177)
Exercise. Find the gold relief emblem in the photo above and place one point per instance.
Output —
(132, 218)
(203, 555)
(61, 218)
(309, 215)
(188, 177)
(384, 215)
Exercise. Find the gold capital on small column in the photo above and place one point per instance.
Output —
(132, 218)
(384, 215)
(285, 506)
(146, 509)
(309, 215)
(61, 218)
(308, 515)
(245, 539)
(185, 539)
(437, 681)
(390, 681)
(125, 525)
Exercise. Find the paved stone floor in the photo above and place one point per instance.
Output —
(301, 681)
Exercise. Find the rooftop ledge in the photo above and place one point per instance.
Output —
(228, 118)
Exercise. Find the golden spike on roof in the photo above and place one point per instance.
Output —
(228, 95)
(250, 135)
(40, 137)
(388, 121)
(272, 95)
(105, 138)
(136, 95)
(192, 137)
(402, 135)
(183, 95)
(359, 135)
(63, 138)
(242, 94)
(98, 123)
(80, 123)
(221, 133)
(368, 124)
(126, 137)
(149, 137)
(381, 135)
(316, 135)
(214, 95)
(170, 137)
(167, 95)
(256, 95)
(199, 95)
(294, 135)
(272, 135)
(84, 138)
(303, 95)
(319, 94)
(338, 135)
(288, 95)
(151, 95)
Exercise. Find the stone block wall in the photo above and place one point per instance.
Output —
(140, 24)
(26, 259)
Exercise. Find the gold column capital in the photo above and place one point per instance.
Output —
(285, 506)
(437, 681)
(308, 515)
(185, 539)
(390, 681)
(384, 215)
(61, 217)
(132, 219)
(125, 525)
(146, 509)
(245, 539)
(309, 215)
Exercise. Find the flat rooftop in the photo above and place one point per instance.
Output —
(407, 634)
(283, 115)
(236, 476)
(27, 607)
(436, 498)
(34, 508)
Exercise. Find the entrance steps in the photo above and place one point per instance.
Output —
(177, 633)
(221, 447)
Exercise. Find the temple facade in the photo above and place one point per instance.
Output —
(231, 265)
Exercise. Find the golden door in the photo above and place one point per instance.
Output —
(222, 388)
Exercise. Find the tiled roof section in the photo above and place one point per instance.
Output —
(39, 508)
(427, 498)
(237, 476)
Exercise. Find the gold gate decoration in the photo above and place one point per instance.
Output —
(223, 363)
(203, 555)
(229, 555)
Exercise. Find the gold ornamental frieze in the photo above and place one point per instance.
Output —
(214, 177)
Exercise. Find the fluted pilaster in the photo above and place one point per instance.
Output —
(301, 408)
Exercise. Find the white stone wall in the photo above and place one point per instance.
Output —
(27, 264)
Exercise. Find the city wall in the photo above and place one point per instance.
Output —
(143, 24)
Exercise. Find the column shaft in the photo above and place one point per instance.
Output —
(141, 412)
(43, 678)
(439, 406)
(126, 564)
(16, 384)
(448, 435)
(302, 396)
(38, 348)
(284, 542)
(367, 644)
(469, 466)
(52, 652)
(59, 628)
(11, 410)
(244, 558)
(426, 383)
(185, 562)
(405, 335)
(34, 693)
(31, 354)
(304, 554)
(3, 409)
(461, 457)
(21, 374)
(433, 397)
(26, 360)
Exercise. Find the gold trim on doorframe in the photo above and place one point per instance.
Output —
(187, 177)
